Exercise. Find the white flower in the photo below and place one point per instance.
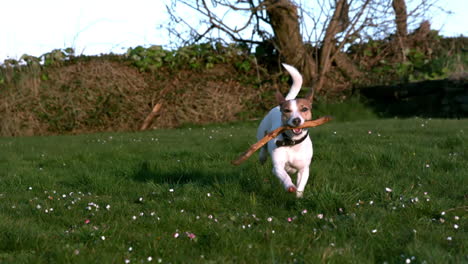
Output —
(150, 258)
(455, 226)
(449, 238)
(269, 219)
(103, 238)
(176, 235)
(374, 231)
(127, 261)
(171, 190)
(320, 216)
(388, 189)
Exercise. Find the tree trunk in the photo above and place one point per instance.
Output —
(284, 21)
(347, 66)
(401, 17)
(335, 26)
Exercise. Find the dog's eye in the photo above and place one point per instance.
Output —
(286, 110)
(304, 109)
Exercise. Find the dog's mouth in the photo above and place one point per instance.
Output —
(296, 131)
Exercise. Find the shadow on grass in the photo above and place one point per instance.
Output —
(179, 175)
(249, 179)
(252, 180)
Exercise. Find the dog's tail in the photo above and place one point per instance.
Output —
(297, 82)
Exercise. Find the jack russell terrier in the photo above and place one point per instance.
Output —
(291, 152)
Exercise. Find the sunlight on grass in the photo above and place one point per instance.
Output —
(380, 191)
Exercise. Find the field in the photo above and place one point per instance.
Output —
(381, 191)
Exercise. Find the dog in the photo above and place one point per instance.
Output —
(291, 152)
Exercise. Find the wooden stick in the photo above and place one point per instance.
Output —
(275, 133)
(150, 117)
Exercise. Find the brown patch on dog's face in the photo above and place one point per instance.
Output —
(294, 113)
(304, 107)
(293, 108)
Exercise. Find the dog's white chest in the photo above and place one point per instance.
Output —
(297, 156)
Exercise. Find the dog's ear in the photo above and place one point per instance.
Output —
(279, 97)
(310, 95)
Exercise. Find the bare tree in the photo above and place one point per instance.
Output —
(335, 23)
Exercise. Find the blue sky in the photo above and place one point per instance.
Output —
(102, 26)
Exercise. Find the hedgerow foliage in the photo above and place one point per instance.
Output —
(63, 93)
(60, 92)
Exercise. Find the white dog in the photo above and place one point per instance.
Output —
(291, 152)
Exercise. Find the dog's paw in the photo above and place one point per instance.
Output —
(292, 189)
(299, 194)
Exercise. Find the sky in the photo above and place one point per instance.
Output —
(101, 26)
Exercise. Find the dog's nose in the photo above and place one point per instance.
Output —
(296, 121)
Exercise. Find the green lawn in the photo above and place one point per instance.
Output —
(380, 191)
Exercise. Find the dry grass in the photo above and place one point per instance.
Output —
(104, 95)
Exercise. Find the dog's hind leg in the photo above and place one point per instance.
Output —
(263, 155)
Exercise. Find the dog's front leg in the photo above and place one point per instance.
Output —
(302, 178)
(280, 172)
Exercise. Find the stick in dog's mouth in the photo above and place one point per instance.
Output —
(276, 132)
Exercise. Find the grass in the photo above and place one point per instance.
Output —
(381, 191)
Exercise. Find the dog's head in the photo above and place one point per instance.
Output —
(295, 112)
